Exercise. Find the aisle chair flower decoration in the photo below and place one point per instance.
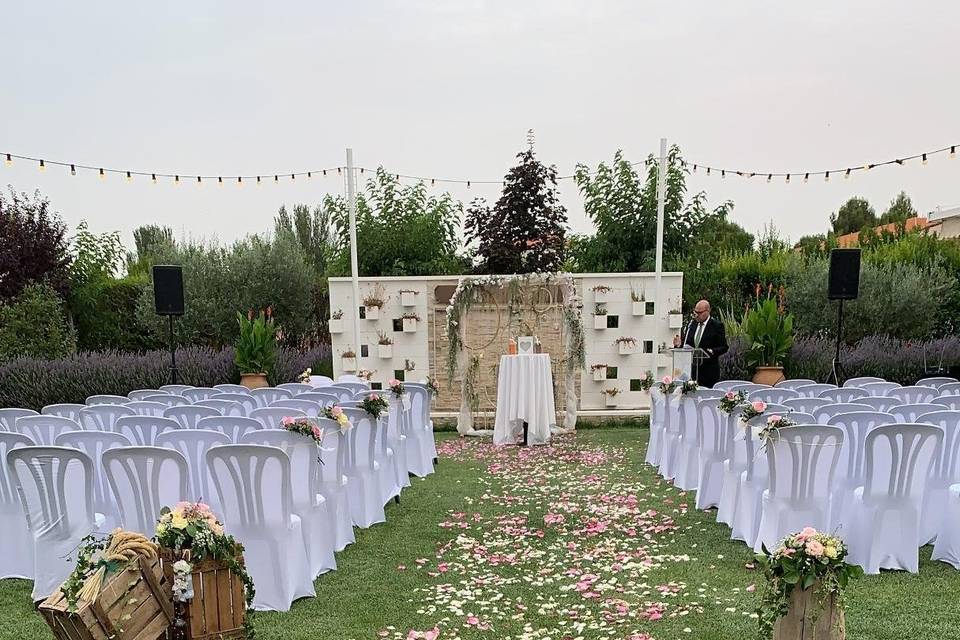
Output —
(303, 426)
(774, 423)
(305, 376)
(396, 387)
(667, 385)
(730, 401)
(646, 382)
(335, 413)
(432, 384)
(374, 404)
(752, 410)
(688, 386)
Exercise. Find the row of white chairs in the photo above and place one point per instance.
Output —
(696, 445)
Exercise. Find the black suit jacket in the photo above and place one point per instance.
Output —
(713, 341)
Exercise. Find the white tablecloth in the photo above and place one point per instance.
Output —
(524, 392)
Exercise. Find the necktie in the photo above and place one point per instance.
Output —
(698, 335)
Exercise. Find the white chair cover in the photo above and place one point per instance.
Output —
(910, 413)
(196, 394)
(913, 395)
(140, 394)
(55, 485)
(733, 466)
(844, 395)
(671, 435)
(429, 441)
(949, 402)
(187, 416)
(234, 427)
(193, 445)
(949, 389)
(655, 442)
(936, 381)
(94, 443)
(16, 543)
(342, 392)
(883, 404)
(295, 387)
(106, 399)
(801, 461)
(316, 523)
(879, 389)
(885, 514)
(775, 395)
(333, 483)
(726, 385)
(805, 405)
(322, 398)
(168, 400)
(147, 408)
(64, 410)
(231, 388)
(384, 456)
(320, 381)
(794, 383)
(101, 417)
(268, 395)
(946, 472)
(397, 440)
(8, 417)
(420, 453)
(272, 417)
(355, 386)
(306, 407)
(713, 449)
(947, 546)
(748, 387)
(244, 399)
(142, 431)
(176, 389)
(43, 430)
(827, 411)
(688, 447)
(365, 495)
(143, 480)
(225, 407)
(254, 486)
(814, 390)
(859, 382)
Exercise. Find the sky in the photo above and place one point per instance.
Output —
(448, 89)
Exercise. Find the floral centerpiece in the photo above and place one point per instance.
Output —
(805, 563)
(374, 404)
(688, 386)
(303, 426)
(667, 385)
(752, 410)
(730, 401)
(335, 413)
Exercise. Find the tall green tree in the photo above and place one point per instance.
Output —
(525, 231)
(854, 215)
(313, 230)
(899, 211)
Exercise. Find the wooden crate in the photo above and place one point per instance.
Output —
(219, 607)
(134, 604)
(798, 624)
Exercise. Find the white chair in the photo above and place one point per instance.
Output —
(8, 417)
(885, 514)
(295, 388)
(142, 431)
(883, 403)
(193, 445)
(845, 394)
(688, 448)
(43, 430)
(365, 498)
(268, 395)
(55, 485)
(827, 411)
(733, 466)
(671, 435)
(913, 395)
(726, 385)
(879, 389)
(748, 387)
(947, 547)
(143, 480)
(397, 440)
(814, 390)
(307, 407)
(16, 543)
(936, 381)
(140, 394)
(850, 468)
(147, 408)
(187, 416)
(353, 386)
(64, 410)
(799, 417)
(385, 459)
(713, 448)
(225, 407)
(316, 523)
(420, 407)
(794, 383)
(106, 399)
(342, 393)
(196, 394)
(420, 454)
(254, 486)
(655, 441)
(949, 389)
(801, 461)
(946, 472)
(272, 417)
(320, 397)
(176, 389)
(94, 443)
(862, 380)
(101, 417)
(320, 381)
(805, 405)
(231, 388)
(949, 402)
(333, 482)
(775, 395)
(234, 427)
(244, 399)
(911, 413)
(167, 400)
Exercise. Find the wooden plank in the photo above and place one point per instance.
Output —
(150, 578)
(145, 611)
(195, 615)
(103, 620)
(211, 620)
(224, 604)
(239, 601)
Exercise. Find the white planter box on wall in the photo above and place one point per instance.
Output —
(599, 375)
(639, 308)
(675, 320)
(626, 348)
(609, 400)
(600, 322)
(409, 325)
(349, 364)
(385, 350)
(372, 313)
(408, 298)
(600, 296)
(336, 326)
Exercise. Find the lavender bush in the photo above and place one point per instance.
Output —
(32, 383)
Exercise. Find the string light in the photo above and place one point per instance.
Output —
(9, 160)
(788, 178)
(153, 177)
(924, 161)
(846, 175)
(73, 170)
(103, 176)
(276, 178)
(220, 181)
(129, 177)
(199, 180)
(769, 177)
(806, 177)
(723, 174)
(43, 167)
(239, 181)
(953, 152)
(176, 179)
(826, 177)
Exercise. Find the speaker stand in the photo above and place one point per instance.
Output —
(173, 354)
(837, 374)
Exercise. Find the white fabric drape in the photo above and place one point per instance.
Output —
(524, 392)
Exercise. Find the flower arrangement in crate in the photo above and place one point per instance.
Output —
(612, 393)
(599, 316)
(805, 565)
(626, 345)
(688, 386)
(373, 301)
(667, 385)
(374, 404)
(410, 320)
(384, 345)
(599, 371)
(730, 401)
(335, 413)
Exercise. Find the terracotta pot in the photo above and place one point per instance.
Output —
(768, 375)
(254, 380)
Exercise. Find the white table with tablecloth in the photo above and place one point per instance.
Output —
(524, 392)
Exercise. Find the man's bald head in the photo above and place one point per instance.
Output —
(701, 310)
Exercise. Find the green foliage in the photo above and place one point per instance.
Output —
(855, 214)
(525, 231)
(33, 245)
(816, 245)
(900, 210)
(33, 324)
(769, 334)
(150, 240)
(256, 348)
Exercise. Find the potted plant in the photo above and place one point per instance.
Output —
(410, 320)
(408, 297)
(384, 345)
(349, 360)
(626, 346)
(256, 348)
(611, 396)
(599, 316)
(599, 372)
(675, 318)
(768, 331)
(373, 302)
(600, 293)
(639, 302)
(336, 321)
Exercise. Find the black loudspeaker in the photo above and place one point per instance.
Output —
(168, 289)
(843, 283)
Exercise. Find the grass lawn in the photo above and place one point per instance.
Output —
(578, 541)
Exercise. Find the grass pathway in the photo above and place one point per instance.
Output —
(580, 540)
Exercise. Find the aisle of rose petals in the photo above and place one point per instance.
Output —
(561, 543)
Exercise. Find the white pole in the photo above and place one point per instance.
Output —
(661, 197)
(354, 270)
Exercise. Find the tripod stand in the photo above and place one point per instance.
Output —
(837, 374)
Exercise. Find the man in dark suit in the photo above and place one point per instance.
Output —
(706, 333)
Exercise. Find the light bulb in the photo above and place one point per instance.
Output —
(846, 175)
(769, 177)
(43, 167)
(103, 176)
(923, 159)
(176, 180)
(73, 170)
(258, 181)
(806, 177)
(129, 177)
(239, 181)
(953, 152)
(153, 177)
(723, 173)
(220, 181)
(826, 177)
(8, 160)
(199, 181)
(788, 178)
(309, 174)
